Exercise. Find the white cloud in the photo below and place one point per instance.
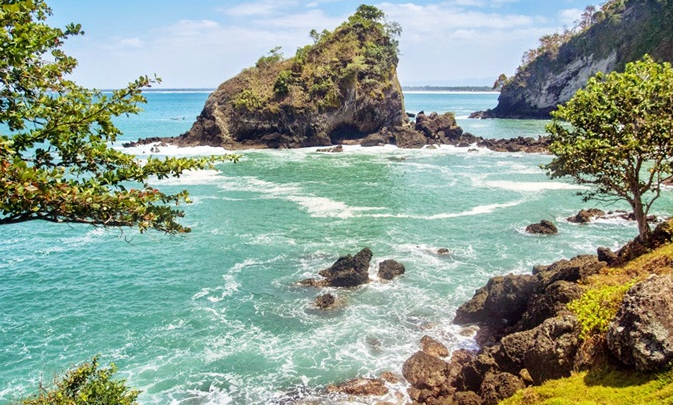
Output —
(130, 43)
(569, 16)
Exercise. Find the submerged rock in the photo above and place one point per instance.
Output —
(586, 216)
(325, 301)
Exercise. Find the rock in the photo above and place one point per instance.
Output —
(277, 103)
(440, 128)
(543, 228)
(408, 138)
(377, 139)
(349, 271)
(335, 149)
(468, 398)
(641, 334)
(390, 377)
(520, 144)
(433, 347)
(501, 302)
(424, 371)
(325, 301)
(499, 386)
(549, 303)
(360, 387)
(473, 372)
(585, 216)
(577, 268)
(547, 351)
(389, 269)
(606, 255)
(443, 251)
(311, 282)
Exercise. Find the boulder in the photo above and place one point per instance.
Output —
(360, 387)
(501, 302)
(549, 303)
(389, 269)
(585, 216)
(433, 347)
(349, 271)
(606, 255)
(325, 301)
(467, 398)
(473, 372)
(641, 335)
(499, 386)
(424, 371)
(545, 227)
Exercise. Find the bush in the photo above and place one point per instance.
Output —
(85, 385)
(597, 307)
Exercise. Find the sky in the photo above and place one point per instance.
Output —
(201, 43)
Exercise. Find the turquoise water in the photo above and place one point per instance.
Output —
(216, 317)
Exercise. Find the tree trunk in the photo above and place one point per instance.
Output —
(644, 231)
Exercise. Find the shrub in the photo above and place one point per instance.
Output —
(85, 385)
(597, 307)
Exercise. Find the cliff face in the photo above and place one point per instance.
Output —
(342, 88)
(626, 30)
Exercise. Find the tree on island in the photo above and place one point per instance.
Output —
(56, 159)
(620, 138)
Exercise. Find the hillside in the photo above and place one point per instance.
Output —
(341, 87)
(620, 32)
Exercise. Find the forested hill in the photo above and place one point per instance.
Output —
(606, 39)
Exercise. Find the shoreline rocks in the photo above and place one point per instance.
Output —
(545, 227)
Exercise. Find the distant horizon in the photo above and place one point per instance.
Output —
(201, 44)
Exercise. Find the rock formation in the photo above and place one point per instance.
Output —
(389, 269)
(622, 32)
(340, 89)
(545, 227)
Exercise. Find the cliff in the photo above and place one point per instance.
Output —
(341, 88)
(622, 32)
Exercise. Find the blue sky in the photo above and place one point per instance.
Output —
(201, 43)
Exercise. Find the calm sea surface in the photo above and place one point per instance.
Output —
(215, 317)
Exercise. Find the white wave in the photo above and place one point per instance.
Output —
(191, 178)
(479, 210)
(531, 186)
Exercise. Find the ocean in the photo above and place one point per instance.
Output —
(217, 317)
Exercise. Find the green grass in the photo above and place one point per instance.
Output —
(608, 386)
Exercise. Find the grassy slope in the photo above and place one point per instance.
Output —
(609, 384)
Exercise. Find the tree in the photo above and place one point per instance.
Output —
(85, 385)
(620, 138)
(500, 82)
(56, 159)
(370, 13)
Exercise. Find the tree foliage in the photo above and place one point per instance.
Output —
(620, 138)
(56, 159)
(85, 385)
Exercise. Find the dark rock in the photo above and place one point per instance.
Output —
(520, 144)
(360, 387)
(443, 251)
(349, 271)
(389, 269)
(662, 235)
(592, 353)
(408, 138)
(468, 398)
(606, 255)
(377, 139)
(501, 302)
(550, 303)
(577, 268)
(499, 386)
(390, 377)
(325, 301)
(585, 216)
(335, 149)
(433, 347)
(641, 334)
(543, 228)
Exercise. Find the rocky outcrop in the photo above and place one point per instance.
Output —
(619, 36)
(325, 301)
(360, 387)
(389, 269)
(586, 216)
(433, 347)
(349, 271)
(641, 334)
(545, 227)
(338, 90)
